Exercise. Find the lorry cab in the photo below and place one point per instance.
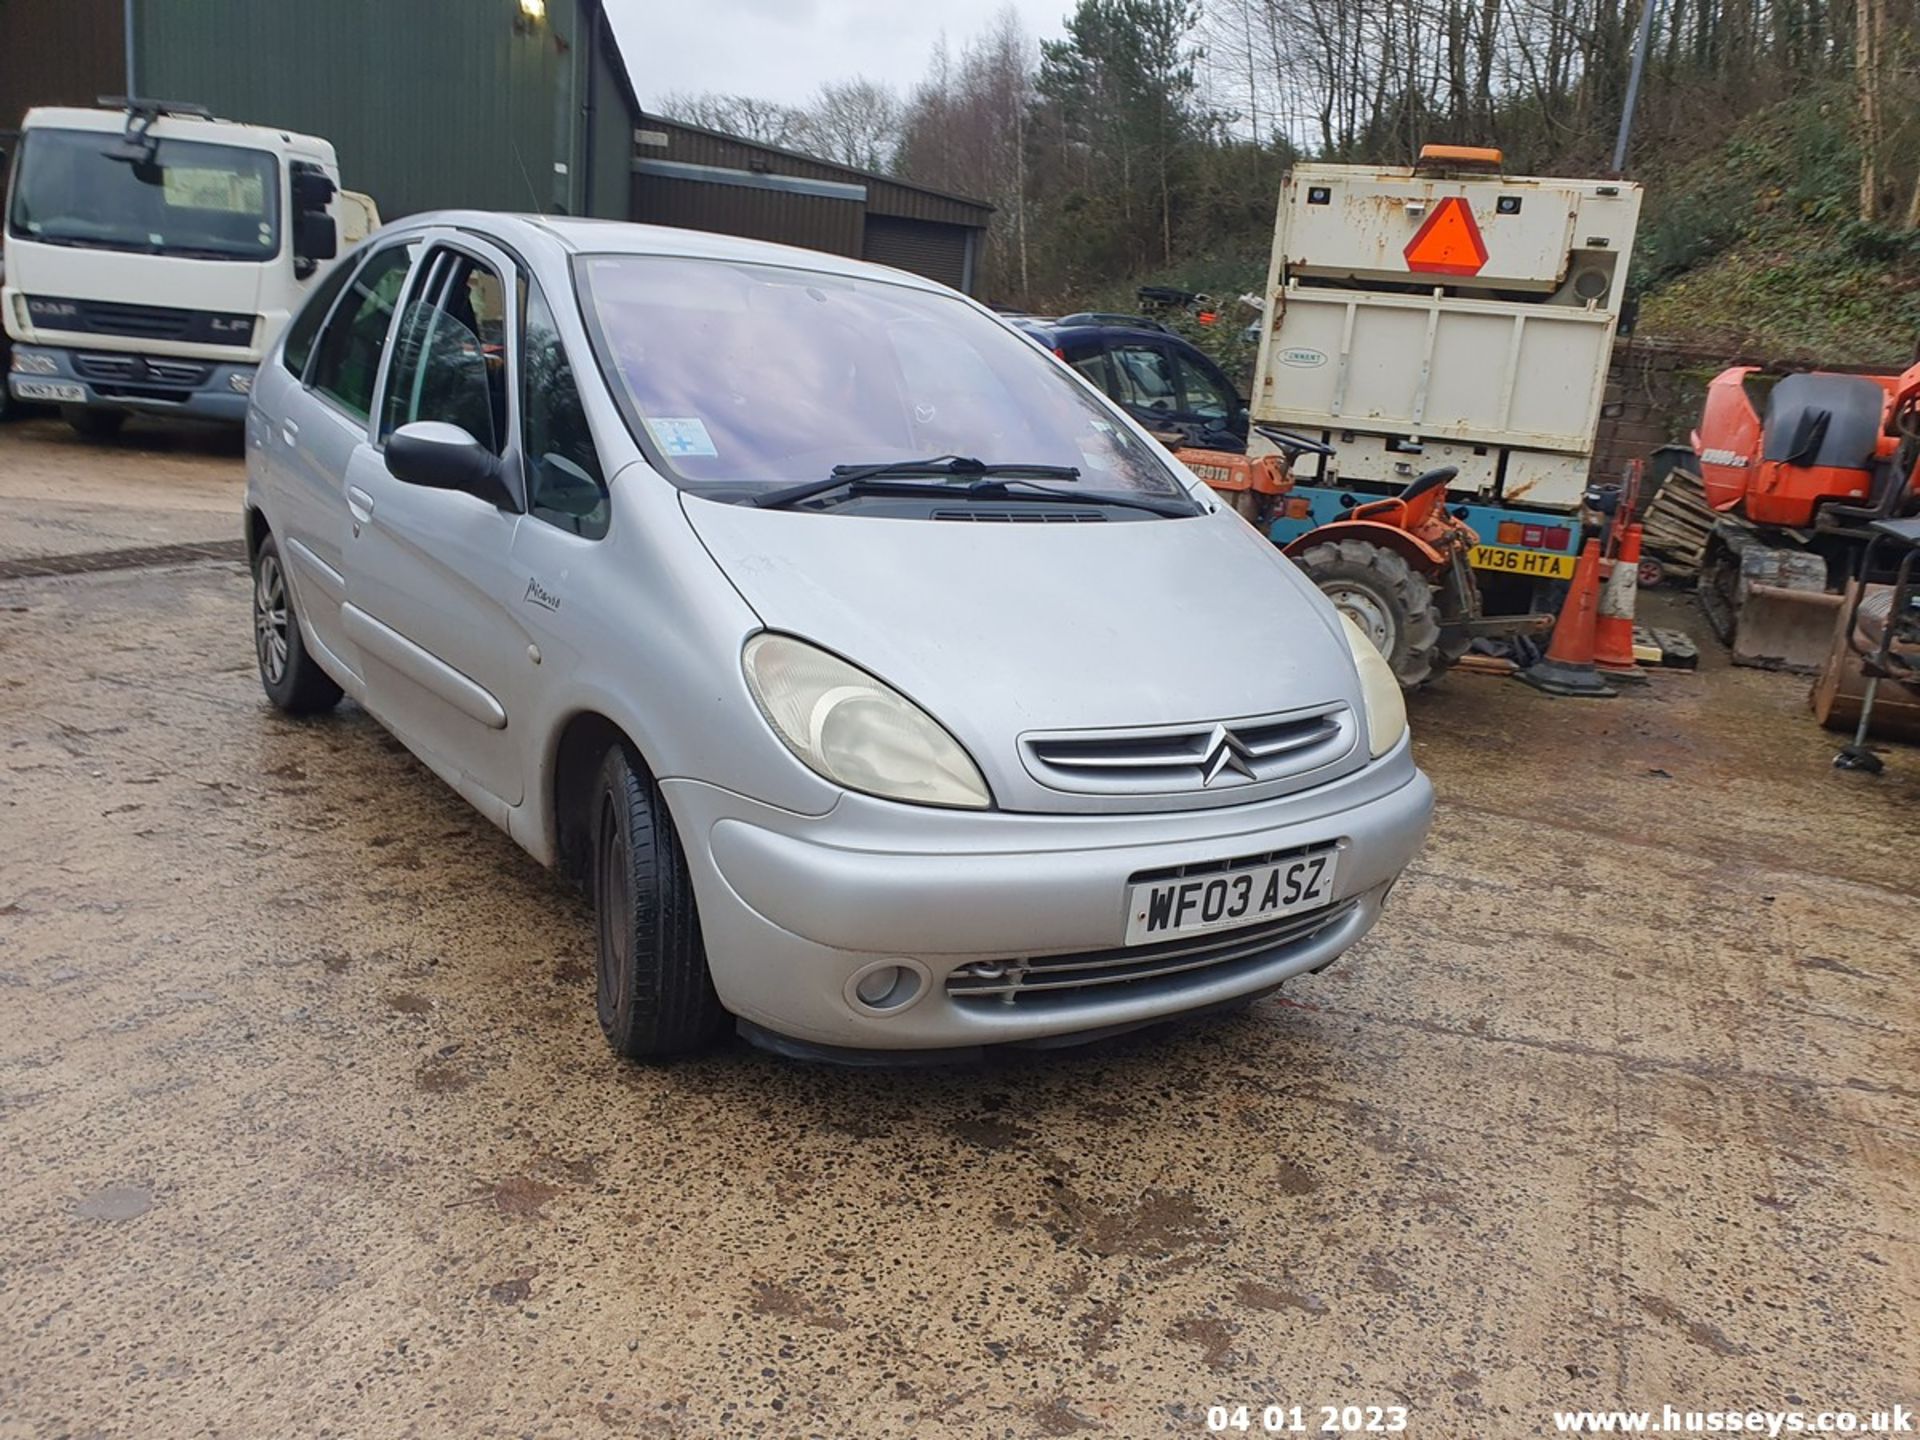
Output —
(154, 254)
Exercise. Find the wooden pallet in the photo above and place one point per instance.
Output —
(1678, 523)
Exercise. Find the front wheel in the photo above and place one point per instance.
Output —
(292, 678)
(655, 995)
(1392, 603)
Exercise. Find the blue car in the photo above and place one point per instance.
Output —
(1164, 382)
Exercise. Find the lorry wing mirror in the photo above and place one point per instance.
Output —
(312, 189)
(314, 236)
(439, 456)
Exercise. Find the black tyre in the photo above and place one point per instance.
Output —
(656, 996)
(1393, 605)
(93, 424)
(291, 677)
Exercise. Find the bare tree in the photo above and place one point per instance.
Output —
(765, 121)
(856, 122)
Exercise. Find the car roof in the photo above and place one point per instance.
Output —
(581, 236)
(1074, 327)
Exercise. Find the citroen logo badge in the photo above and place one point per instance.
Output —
(1224, 752)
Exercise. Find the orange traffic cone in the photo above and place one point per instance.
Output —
(1613, 626)
(1568, 668)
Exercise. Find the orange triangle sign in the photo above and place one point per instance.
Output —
(1449, 243)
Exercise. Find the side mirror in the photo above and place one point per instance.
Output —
(314, 236)
(439, 456)
(312, 190)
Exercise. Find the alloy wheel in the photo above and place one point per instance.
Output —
(270, 618)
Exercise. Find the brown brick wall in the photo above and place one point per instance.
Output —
(1654, 393)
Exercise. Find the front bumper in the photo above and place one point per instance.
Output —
(793, 908)
(121, 380)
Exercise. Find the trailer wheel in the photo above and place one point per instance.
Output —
(1393, 605)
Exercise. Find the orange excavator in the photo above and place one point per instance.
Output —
(1800, 481)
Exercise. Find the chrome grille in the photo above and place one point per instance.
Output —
(1214, 757)
(142, 369)
(1116, 973)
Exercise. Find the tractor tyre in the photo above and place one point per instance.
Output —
(1392, 603)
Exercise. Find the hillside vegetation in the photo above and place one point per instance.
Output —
(1754, 247)
(1750, 248)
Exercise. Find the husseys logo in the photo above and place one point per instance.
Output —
(1302, 358)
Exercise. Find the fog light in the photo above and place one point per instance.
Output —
(887, 987)
(26, 362)
(240, 383)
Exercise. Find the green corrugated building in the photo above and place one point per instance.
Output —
(491, 104)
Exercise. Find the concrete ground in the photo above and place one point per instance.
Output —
(306, 1127)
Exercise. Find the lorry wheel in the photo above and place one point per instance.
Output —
(293, 680)
(1393, 605)
(655, 994)
(93, 424)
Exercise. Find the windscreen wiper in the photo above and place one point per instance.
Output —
(997, 489)
(854, 476)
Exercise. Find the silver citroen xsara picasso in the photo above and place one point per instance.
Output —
(887, 687)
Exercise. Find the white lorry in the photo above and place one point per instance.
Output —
(1446, 314)
(154, 253)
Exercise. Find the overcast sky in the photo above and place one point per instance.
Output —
(783, 49)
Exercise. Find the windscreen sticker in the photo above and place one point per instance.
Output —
(681, 436)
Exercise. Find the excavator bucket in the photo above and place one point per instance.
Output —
(1783, 629)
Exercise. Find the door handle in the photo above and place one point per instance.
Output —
(359, 504)
(289, 432)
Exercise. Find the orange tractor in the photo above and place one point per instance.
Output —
(1396, 567)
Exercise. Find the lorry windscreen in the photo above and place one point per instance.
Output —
(196, 200)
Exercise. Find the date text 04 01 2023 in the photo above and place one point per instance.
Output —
(1308, 1419)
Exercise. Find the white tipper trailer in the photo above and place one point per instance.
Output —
(1446, 314)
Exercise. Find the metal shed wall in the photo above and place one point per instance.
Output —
(758, 211)
(428, 102)
(58, 52)
(704, 180)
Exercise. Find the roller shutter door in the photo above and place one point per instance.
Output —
(937, 251)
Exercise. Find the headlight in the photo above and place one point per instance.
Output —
(1386, 706)
(855, 731)
(27, 362)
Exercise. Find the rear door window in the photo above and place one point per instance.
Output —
(347, 359)
(1202, 393)
(306, 325)
(1143, 378)
(1090, 360)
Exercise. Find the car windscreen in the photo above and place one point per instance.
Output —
(192, 199)
(741, 377)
